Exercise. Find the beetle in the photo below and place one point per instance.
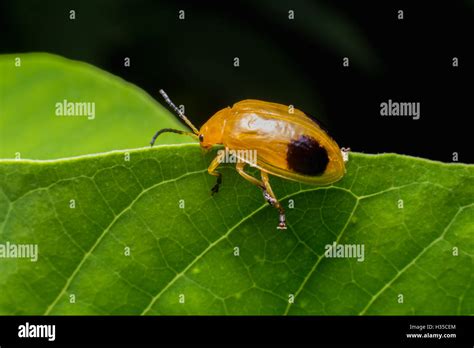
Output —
(288, 144)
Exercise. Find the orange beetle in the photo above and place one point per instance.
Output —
(288, 144)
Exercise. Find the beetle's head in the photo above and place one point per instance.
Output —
(211, 133)
(207, 137)
(204, 144)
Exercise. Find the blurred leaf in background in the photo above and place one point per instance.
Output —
(125, 116)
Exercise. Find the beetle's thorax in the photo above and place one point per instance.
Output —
(213, 129)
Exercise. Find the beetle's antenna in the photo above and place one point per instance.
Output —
(170, 130)
(178, 111)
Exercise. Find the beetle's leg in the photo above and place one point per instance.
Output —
(267, 191)
(212, 170)
(272, 200)
(240, 169)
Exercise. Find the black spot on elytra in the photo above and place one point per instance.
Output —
(306, 156)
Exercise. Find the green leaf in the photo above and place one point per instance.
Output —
(413, 216)
(30, 89)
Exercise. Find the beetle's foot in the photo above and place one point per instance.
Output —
(269, 198)
(214, 189)
(282, 224)
(345, 153)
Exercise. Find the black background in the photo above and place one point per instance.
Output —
(287, 61)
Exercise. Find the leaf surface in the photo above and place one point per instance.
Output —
(414, 218)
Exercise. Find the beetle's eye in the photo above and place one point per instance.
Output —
(201, 138)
